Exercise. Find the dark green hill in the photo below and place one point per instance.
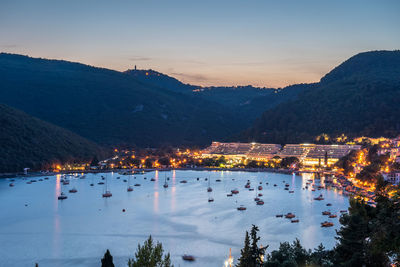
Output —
(248, 101)
(26, 141)
(359, 97)
(111, 107)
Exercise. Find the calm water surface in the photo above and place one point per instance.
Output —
(36, 227)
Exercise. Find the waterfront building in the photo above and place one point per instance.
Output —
(308, 154)
(327, 155)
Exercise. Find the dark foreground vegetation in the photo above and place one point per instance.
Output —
(369, 236)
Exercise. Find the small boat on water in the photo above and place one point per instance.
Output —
(152, 179)
(137, 184)
(129, 188)
(326, 213)
(279, 215)
(92, 184)
(183, 182)
(218, 180)
(290, 215)
(188, 257)
(260, 195)
(291, 192)
(165, 182)
(343, 211)
(329, 204)
(286, 188)
(247, 185)
(241, 208)
(62, 196)
(260, 202)
(295, 221)
(100, 183)
(210, 199)
(332, 216)
(319, 198)
(256, 199)
(66, 182)
(29, 182)
(235, 191)
(275, 185)
(107, 194)
(209, 189)
(251, 189)
(260, 187)
(46, 178)
(229, 195)
(73, 190)
(326, 224)
(11, 184)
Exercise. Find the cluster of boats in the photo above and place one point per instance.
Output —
(65, 180)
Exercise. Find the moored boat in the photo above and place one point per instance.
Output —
(62, 196)
(241, 207)
(320, 197)
(290, 215)
(188, 257)
(73, 190)
(107, 194)
(326, 224)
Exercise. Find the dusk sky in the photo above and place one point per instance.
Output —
(263, 43)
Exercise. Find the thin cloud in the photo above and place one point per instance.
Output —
(191, 77)
(139, 58)
(8, 46)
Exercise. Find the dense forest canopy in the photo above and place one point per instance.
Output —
(29, 142)
(357, 98)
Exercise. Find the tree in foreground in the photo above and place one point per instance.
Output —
(107, 260)
(252, 255)
(150, 255)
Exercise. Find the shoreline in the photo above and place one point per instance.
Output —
(32, 174)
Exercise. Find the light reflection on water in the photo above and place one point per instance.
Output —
(77, 231)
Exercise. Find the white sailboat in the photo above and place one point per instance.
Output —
(130, 188)
(165, 182)
(107, 193)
